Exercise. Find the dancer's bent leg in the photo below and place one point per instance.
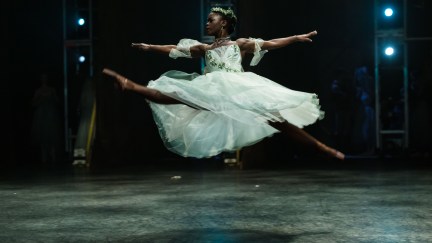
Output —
(305, 138)
(151, 94)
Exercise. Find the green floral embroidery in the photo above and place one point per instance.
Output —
(221, 65)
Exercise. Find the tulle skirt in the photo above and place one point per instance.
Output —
(226, 111)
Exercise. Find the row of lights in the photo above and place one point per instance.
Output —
(81, 22)
(389, 50)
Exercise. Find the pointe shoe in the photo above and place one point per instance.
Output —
(109, 72)
(340, 155)
(122, 81)
(334, 153)
(331, 151)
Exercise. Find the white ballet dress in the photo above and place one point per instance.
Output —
(227, 108)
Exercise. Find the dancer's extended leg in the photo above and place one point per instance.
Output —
(151, 94)
(305, 138)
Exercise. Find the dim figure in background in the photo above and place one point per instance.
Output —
(366, 112)
(420, 108)
(46, 122)
(225, 108)
(342, 96)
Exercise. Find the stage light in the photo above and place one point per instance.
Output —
(388, 12)
(389, 51)
(81, 59)
(81, 21)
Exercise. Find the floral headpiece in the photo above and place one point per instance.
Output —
(226, 12)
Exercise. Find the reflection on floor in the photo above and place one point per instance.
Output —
(290, 205)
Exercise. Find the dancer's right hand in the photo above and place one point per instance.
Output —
(141, 46)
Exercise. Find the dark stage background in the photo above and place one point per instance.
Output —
(126, 133)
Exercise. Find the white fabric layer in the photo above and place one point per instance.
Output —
(258, 53)
(183, 48)
(226, 108)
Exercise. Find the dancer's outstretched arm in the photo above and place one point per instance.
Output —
(196, 51)
(248, 45)
(162, 49)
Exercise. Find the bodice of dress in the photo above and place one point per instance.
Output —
(224, 58)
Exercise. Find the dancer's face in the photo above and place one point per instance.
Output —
(214, 24)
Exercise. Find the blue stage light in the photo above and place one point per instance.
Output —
(389, 51)
(81, 21)
(81, 59)
(388, 12)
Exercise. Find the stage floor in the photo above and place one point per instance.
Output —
(290, 205)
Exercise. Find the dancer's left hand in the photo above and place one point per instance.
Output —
(307, 37)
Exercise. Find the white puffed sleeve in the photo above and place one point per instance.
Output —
(183, 48)
(258, 53)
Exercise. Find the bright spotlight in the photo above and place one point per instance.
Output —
(81, 21)
(389, 51)
(81, 59)
(388, 12)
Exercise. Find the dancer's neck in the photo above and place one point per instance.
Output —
(221, 40)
